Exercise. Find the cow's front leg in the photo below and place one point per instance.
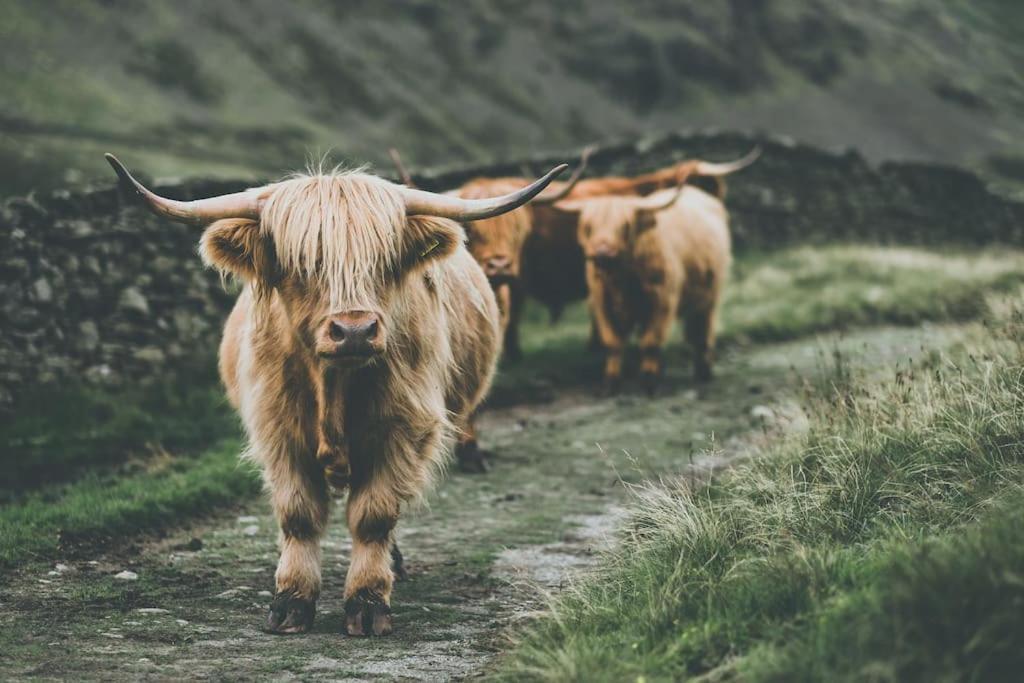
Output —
(372, 514)
(662, 306)
(606, 319)
(298, 494)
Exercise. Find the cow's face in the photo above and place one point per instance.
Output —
(607, 227)
(336, 268)
(497, 245)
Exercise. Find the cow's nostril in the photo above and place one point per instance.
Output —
(337, 331)
(371, 330)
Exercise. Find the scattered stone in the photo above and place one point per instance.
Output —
(762, 413)
(152, 610)
(109, 634)
(690, 395)
(42, 291)
(126, 576)
(133, 300)
(149, 354)
(265, 594)
(181, 622)
(88, 338)
(251, 530)
(248, 519)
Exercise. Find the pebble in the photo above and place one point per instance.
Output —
(126, 576)
(248, 519)
(152, 610)
(265, 594)
(251, 530)
(762, 412)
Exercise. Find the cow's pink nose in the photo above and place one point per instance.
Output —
(354, 333)
(604, 253)
(497, 265)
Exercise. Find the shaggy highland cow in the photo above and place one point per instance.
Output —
(649, 259)
(536, 248)
(364, 339)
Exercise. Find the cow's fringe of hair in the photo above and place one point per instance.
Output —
(341, 229)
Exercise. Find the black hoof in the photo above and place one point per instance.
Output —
(398, 564)
(366, 614)
(472, 459)
(649, 381)
(611, 387)
(702, 374)
(290, 614)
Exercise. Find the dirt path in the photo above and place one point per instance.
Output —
(480, 555)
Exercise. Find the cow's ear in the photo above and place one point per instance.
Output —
(427, 238)
(237, 246)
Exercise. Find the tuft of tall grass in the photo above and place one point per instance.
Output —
(808, 551)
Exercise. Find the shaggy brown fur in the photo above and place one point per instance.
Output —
(328, 247)
(644, 268)
(533, 250)
(553, 263)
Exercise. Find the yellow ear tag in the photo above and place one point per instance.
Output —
(431, 248)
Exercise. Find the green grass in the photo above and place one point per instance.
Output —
(56, 432)
(792, 293)
(101, 508)
(881, 544)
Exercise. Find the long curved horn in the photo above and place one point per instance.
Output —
(403, 173)
(552, 196)
(710, 168)
(201, 211)
(654, 204)
(421, 203)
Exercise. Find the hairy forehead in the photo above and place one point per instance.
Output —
(343, 230)
(607, 211)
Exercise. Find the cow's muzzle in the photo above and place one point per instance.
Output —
(353, 337)
(499, 270)
(604, 257)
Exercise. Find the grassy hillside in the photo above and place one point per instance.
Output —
(248, 89)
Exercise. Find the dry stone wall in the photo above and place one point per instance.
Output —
(95, 289)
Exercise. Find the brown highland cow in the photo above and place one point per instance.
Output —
(534, 251)
(365, 338)
(649, 260)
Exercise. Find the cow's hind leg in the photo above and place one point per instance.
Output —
(398, 563)
(299, 498)
(471, 458)
(700, 335)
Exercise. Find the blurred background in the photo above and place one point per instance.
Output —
(251, 89)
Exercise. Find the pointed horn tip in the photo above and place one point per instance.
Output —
(116, 164)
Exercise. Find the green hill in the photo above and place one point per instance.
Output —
(248, 89)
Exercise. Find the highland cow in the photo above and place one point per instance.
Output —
(649, 260)
(538, 254)
(363, 341)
